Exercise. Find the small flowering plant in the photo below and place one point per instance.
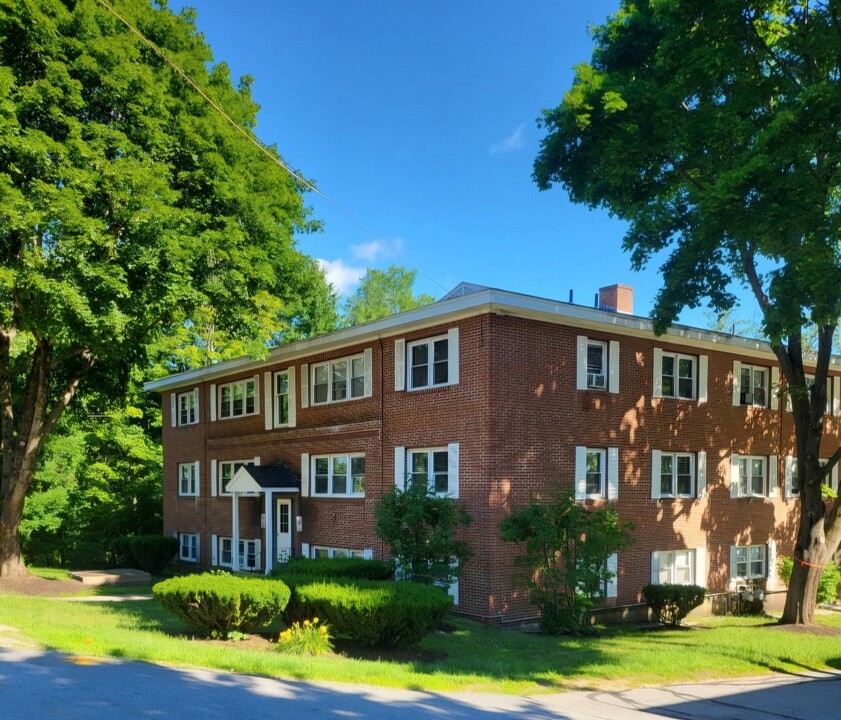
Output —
(307, 638)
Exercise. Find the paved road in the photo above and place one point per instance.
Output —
(37, 685)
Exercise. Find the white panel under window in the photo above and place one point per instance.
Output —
(213, 403)
(452, 355)
(703, 373)
(702, 474)
(214, 550)
(305, 385)
(580, 472)
(737, 382)
(452, 468)
(305, 474)
(655, 474)
(658, 373)
(173, 409)
(581, 362)
(613, 366)
(399, 365)
(612, 473)
(368, 363)
(293, 393)
(773, 480)
(400, 467)
(214, 478)
(268, 403)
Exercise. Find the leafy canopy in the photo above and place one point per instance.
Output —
(382, 293)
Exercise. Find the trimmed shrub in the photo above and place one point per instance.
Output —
(354, 568)
(672, 603)
(828, 585)
(120, 555)
(394, 614)
(220, 604)
(153, 552)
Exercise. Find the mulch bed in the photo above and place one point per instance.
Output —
(819, 630)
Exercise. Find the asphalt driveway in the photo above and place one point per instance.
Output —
(36, 685)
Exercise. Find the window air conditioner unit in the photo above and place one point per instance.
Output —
(594, 380)
(746, 398)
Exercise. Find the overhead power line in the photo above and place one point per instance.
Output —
(252, 138)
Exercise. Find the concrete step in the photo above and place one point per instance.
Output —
(119, 576)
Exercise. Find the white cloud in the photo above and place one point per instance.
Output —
(376, 248)
(340, 275)
(515, 141)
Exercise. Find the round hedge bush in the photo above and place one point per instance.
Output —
(219, 604)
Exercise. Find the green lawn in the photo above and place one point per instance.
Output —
(471, 657)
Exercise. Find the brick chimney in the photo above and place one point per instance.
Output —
(617, 298)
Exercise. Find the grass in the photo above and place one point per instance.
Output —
(471, 657)
(50, 573)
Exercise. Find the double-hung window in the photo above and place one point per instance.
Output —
(188, 479)
(596, 473)
(339, 475)
(436, 468)
(188, 547)
(748, 562)
(188, 407)
(227, 470)
(339, 380)
(429, 363)
(281, 398)
(753, 385)
(596, 364)
(751, 475)
(237, 399)
(677, 475)
(248, 556)
(678, 373)
(676, 567)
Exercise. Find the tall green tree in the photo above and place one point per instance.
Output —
(382, 293)
(129, 208)
(713, 127)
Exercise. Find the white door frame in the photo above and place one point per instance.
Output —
(283, 546)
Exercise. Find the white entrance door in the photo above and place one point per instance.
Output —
(283, 547)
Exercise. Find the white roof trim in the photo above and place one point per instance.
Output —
(243, 482)
(465, 301)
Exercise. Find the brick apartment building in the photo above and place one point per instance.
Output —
(493, 397)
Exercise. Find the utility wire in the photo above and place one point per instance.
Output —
(252, 138)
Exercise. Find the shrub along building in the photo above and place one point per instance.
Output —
(492, 397)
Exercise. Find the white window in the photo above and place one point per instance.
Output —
(748, 562)
(607, 586)
(678, 475)
(792, 477)
(749, 476)
(188, 407)
(338, 475)
(597, 364)
(340, 380)
(678, 375)
(320, 551)
(677, 567)
(227, 470)
(188, 544)
(429, 362)
(437, 467)
(596, 473)
(188, 478)
(753, 385)
(281, 398)
(249, 553)
(237, 399)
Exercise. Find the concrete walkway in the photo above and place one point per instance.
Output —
(36, 685)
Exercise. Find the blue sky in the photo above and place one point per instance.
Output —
(419, 120)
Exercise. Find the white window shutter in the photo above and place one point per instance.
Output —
(198, 548)
(305, 474)
(197, 395)
(452, 591)
(268, 404)
(790, 472)
(703, 372)
(771, 575)
(613, 567)
(737, 382)
(700, 567)
(580, 472)
(655, 474)
(256, 461)
(613, 367)
(399, 365)
(775, 388)
(836, 395)
(258, 555)
(655, 568)
(581, 362)
(214, 542)
(452, 356)
(197, 466)
(701, 468)
(734, 475)
(612, 473)
(213, 403)
(658, 373)
(173, 409)
(733, 575)
(834, 476)
(400, 467)
(305, 385)
(293, 393)
(368, 554)
(213, 478)
(305, 549)
(256, 381)
(773, 479)
(368, 363)
(452, 468)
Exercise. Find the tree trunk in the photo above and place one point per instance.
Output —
(801, 599)
(11, 560)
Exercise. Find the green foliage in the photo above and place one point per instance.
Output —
(672, 603)
(566, 551)
(395, 614)
(382, 293)
(306, 638)
(149, 552)
(219, 604)
(828, 584)
(353, 568)
(420, 529)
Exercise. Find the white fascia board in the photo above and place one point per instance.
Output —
(487, 300)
